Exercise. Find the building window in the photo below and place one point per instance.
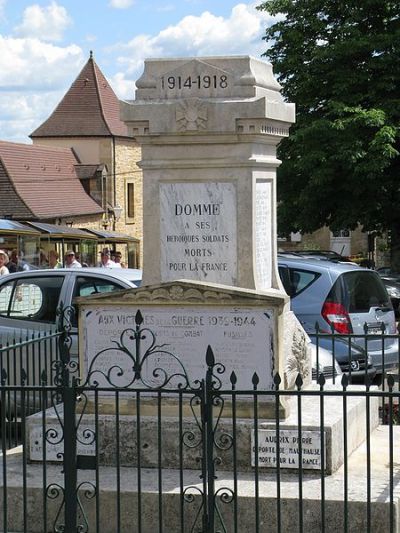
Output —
(130, 200)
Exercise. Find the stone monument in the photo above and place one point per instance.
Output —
(208, 129)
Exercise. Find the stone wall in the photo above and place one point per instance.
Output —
(127, 154)
(321, 240)
(85, 221)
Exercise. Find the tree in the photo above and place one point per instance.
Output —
(339, 61)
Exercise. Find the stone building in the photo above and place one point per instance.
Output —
(87, 121)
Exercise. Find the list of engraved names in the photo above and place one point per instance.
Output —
(198, 232)
(241, 339)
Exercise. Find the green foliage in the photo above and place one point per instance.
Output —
(340, 63)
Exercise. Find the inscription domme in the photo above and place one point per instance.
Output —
(197, 209)
(199, 237)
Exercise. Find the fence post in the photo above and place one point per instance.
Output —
(68, 390)
(70, 464)
(208, 432)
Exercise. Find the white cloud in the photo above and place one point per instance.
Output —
(121, 4)
(46, 23)
(23, 113)
(205, 35)
(33, 78)
(33, 64)
(123, 87)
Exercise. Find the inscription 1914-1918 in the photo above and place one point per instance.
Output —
(195, 82)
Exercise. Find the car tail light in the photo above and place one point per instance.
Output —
(337, 316)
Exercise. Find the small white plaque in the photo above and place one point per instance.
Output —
(288, 449)
(85, 442)
(241, 339)
(263, 232)
(198, 232)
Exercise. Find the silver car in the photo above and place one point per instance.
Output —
(346, 299)
(29, 301)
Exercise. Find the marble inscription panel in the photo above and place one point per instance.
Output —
(263, 232)
(241, 339)
(198, 232)
(288, 448)
(195, 78)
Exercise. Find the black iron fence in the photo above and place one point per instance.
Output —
(173, 455)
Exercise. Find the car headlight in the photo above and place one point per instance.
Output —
(393, 292)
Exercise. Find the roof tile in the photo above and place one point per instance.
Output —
(89, 108)
(46, 181)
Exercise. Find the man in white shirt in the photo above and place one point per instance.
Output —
(106, 261)
(71, 261)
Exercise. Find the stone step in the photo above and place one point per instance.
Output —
(128, 496)
(149, 427)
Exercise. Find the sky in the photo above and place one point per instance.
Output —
(45, 43)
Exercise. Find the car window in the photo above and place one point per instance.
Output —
(86, 285)
(285, 278)
(358, 291)
(300, 279)
(5, 297)
(34, 299)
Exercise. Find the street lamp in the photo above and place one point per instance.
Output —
(117, 212)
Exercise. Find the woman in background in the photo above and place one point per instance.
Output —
(3, 262)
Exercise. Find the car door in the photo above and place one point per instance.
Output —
(29, 304)
(86, 285)
(28, 307)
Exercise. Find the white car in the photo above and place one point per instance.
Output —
(29, 305)
(29, 300)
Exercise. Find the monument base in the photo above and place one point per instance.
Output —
(160, 437)
(125, 496)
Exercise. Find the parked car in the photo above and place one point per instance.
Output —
(345, 299)
(323, 362)
(351, 358)
(29, 300)
(391, 280)
(329, 255)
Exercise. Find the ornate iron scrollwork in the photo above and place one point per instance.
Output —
(141, 352)
(130, 345)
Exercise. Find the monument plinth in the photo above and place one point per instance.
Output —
(208, 128)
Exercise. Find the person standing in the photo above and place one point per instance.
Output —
(53, 259)
(106, 261)
(118, 260)
(71, 261)
(3, 262)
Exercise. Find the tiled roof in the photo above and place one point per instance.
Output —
(41, 182)
(90, 108)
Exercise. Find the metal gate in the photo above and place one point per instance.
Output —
(162, 453)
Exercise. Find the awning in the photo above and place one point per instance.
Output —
(11, 227)
(112, 236)
(61, 232)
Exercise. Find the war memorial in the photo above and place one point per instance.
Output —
(206, 355)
